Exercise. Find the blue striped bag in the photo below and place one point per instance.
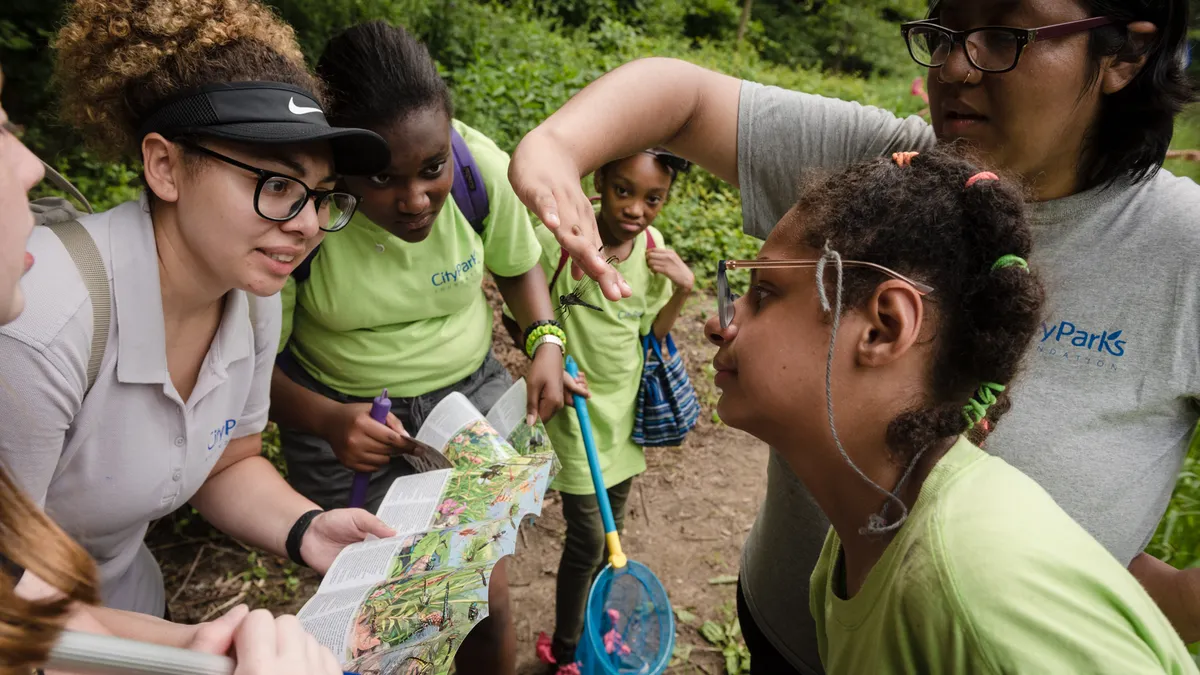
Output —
(666, 408)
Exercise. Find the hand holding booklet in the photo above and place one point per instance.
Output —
(404, 604)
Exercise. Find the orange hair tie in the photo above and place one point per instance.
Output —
(903, 159)
(982, 175)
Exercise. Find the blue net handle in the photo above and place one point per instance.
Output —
(593, 458)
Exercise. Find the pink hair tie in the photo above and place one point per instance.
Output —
(903, 159)
(982, 175)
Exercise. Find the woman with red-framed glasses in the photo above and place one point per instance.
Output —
(1077, 96)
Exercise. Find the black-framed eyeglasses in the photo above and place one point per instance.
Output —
(726, 298)
(991, 49)
(280, 197)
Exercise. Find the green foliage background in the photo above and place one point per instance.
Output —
(510, 63)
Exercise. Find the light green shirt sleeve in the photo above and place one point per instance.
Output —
(510, 248)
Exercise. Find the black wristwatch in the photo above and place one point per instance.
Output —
(296, 535)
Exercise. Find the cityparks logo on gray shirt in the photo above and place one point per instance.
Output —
(1076, 343)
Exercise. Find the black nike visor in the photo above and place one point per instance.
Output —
(270, 113)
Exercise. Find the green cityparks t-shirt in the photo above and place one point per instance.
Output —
(607, 345)
(379, 312)
(989, 575)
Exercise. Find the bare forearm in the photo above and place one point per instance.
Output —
(1177, 593)
(526, 296)
(296, 407)
(669, 314)
(252, 503)
(651, 102)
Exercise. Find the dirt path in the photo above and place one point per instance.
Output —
(688, 517)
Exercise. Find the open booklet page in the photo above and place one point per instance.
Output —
(403, 605)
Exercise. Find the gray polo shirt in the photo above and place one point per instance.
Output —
(1103, 413)
(133, 451)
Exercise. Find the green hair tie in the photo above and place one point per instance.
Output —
(1010, 260)
(977, 407)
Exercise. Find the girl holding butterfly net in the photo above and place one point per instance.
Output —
(606, 340)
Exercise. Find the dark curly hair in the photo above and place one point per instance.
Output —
(922, 221)
(378, 74)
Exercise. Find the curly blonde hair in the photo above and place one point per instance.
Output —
(118, 60)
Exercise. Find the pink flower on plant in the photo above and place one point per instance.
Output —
(918, 89)
(448, 507)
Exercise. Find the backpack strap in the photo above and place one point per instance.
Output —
(562, 262)
(82, 249)
(469, 191)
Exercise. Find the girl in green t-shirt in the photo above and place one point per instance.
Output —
(396, 299)
(608, 346)
(886, 315)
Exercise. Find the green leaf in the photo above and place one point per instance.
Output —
(685, 617)
(723, 580)
(733, 664)
(712, 632)
(682, 654)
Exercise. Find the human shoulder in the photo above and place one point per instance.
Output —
(1173, 204)
(57, 319)
(1015, 569)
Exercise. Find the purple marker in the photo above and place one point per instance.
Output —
(380, 408)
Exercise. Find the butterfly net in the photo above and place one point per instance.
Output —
(629, 627)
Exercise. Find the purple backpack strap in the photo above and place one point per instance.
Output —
(469, 191)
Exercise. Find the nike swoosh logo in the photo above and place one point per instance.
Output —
(297, 110)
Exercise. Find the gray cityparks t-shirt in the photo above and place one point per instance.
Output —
(1106, 405)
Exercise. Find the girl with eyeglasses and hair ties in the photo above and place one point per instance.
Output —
(58, 585)
(110, 423)
(886, 317)
(1076, 98)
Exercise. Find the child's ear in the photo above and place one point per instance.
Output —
(893, 315)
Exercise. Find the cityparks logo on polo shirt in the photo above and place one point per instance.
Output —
(1076, 343)
(456, 275)
(221, 435)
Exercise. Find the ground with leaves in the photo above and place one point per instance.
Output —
(688, 517)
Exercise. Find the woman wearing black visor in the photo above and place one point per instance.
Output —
(110, 422)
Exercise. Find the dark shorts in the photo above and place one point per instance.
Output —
(315, 472)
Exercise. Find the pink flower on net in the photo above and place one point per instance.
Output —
(474, 459)
(613, 616)
(570, 669)
(625, 650)
(612, 641)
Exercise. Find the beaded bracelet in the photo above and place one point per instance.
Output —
(546, 329)
(536, 325)
(548, 339)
